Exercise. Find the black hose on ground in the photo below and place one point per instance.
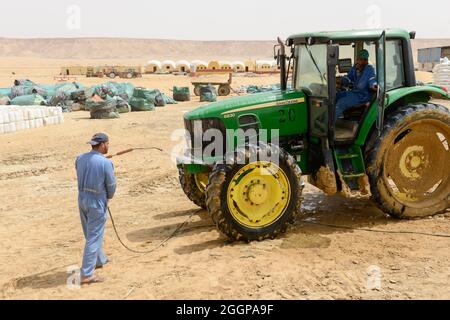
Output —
(173, 234)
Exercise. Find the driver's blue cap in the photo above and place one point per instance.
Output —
(98, 138)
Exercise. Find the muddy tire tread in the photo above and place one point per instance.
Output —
(214, 200)
(190, 188)
(401, 116)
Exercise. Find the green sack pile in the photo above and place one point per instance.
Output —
(208, 93)
(181, 93)
(141, 104)
(143, 100)
(102, 108)
(112, 89)
(121, 105)
(29, 100)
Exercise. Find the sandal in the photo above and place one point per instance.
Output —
(93, 279)
(100, 266)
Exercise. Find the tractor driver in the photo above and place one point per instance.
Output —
(362, 76)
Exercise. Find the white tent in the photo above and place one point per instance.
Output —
(183, 66)
(168, 66)
(238, 66)
(153, 66)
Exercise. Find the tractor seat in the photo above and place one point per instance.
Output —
(355, 112)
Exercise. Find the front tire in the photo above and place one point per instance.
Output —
(255, 200)
(408, 165)
(194, 186)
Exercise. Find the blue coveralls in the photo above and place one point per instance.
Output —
(96, 185)
(362, 82)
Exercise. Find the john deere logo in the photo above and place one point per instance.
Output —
(292, 101)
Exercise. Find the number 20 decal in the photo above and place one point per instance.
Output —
(290, 115)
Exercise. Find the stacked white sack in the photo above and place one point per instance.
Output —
(15, 118)
(441, 74)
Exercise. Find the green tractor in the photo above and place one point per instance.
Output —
(394, 149)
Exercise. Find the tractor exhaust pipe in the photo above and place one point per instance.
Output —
(281, 57)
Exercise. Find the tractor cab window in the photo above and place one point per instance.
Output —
(311, 70)
(395, 74)
(371, 48)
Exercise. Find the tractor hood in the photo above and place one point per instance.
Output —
(236, 104)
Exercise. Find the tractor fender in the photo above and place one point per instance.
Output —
(408, 95)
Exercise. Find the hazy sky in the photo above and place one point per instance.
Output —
(216, 20)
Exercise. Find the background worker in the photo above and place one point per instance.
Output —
(96, 185)
(362, 76)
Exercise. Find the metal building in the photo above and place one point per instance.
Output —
(428, 58)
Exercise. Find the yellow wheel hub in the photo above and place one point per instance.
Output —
(201, 180)
(258, 194)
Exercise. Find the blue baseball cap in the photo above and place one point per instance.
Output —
(98, 138)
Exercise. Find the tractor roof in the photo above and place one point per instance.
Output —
(349, 35)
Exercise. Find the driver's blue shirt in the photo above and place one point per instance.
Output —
(362, 81)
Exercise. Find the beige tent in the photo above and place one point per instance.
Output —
(168, 66)
(153, 66)
(250, 66)
(198, 65)
(238, 66)
(214, 65)
(226, 66)
(74, 70)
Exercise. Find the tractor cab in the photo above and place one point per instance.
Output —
(321, 62)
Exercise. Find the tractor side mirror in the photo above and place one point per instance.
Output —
(277, 57)
(276, 52)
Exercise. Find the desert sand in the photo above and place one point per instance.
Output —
(76, 49)
(41, 236)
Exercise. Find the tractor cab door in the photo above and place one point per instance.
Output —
(381, 75)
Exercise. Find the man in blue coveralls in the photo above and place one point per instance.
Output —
(362, 76)
(96, 185)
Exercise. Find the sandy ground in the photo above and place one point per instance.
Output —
(42, 238)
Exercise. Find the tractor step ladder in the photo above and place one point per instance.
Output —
(350, 165)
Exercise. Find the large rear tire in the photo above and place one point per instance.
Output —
(409, 163)
(257, 199)
(194, 186)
